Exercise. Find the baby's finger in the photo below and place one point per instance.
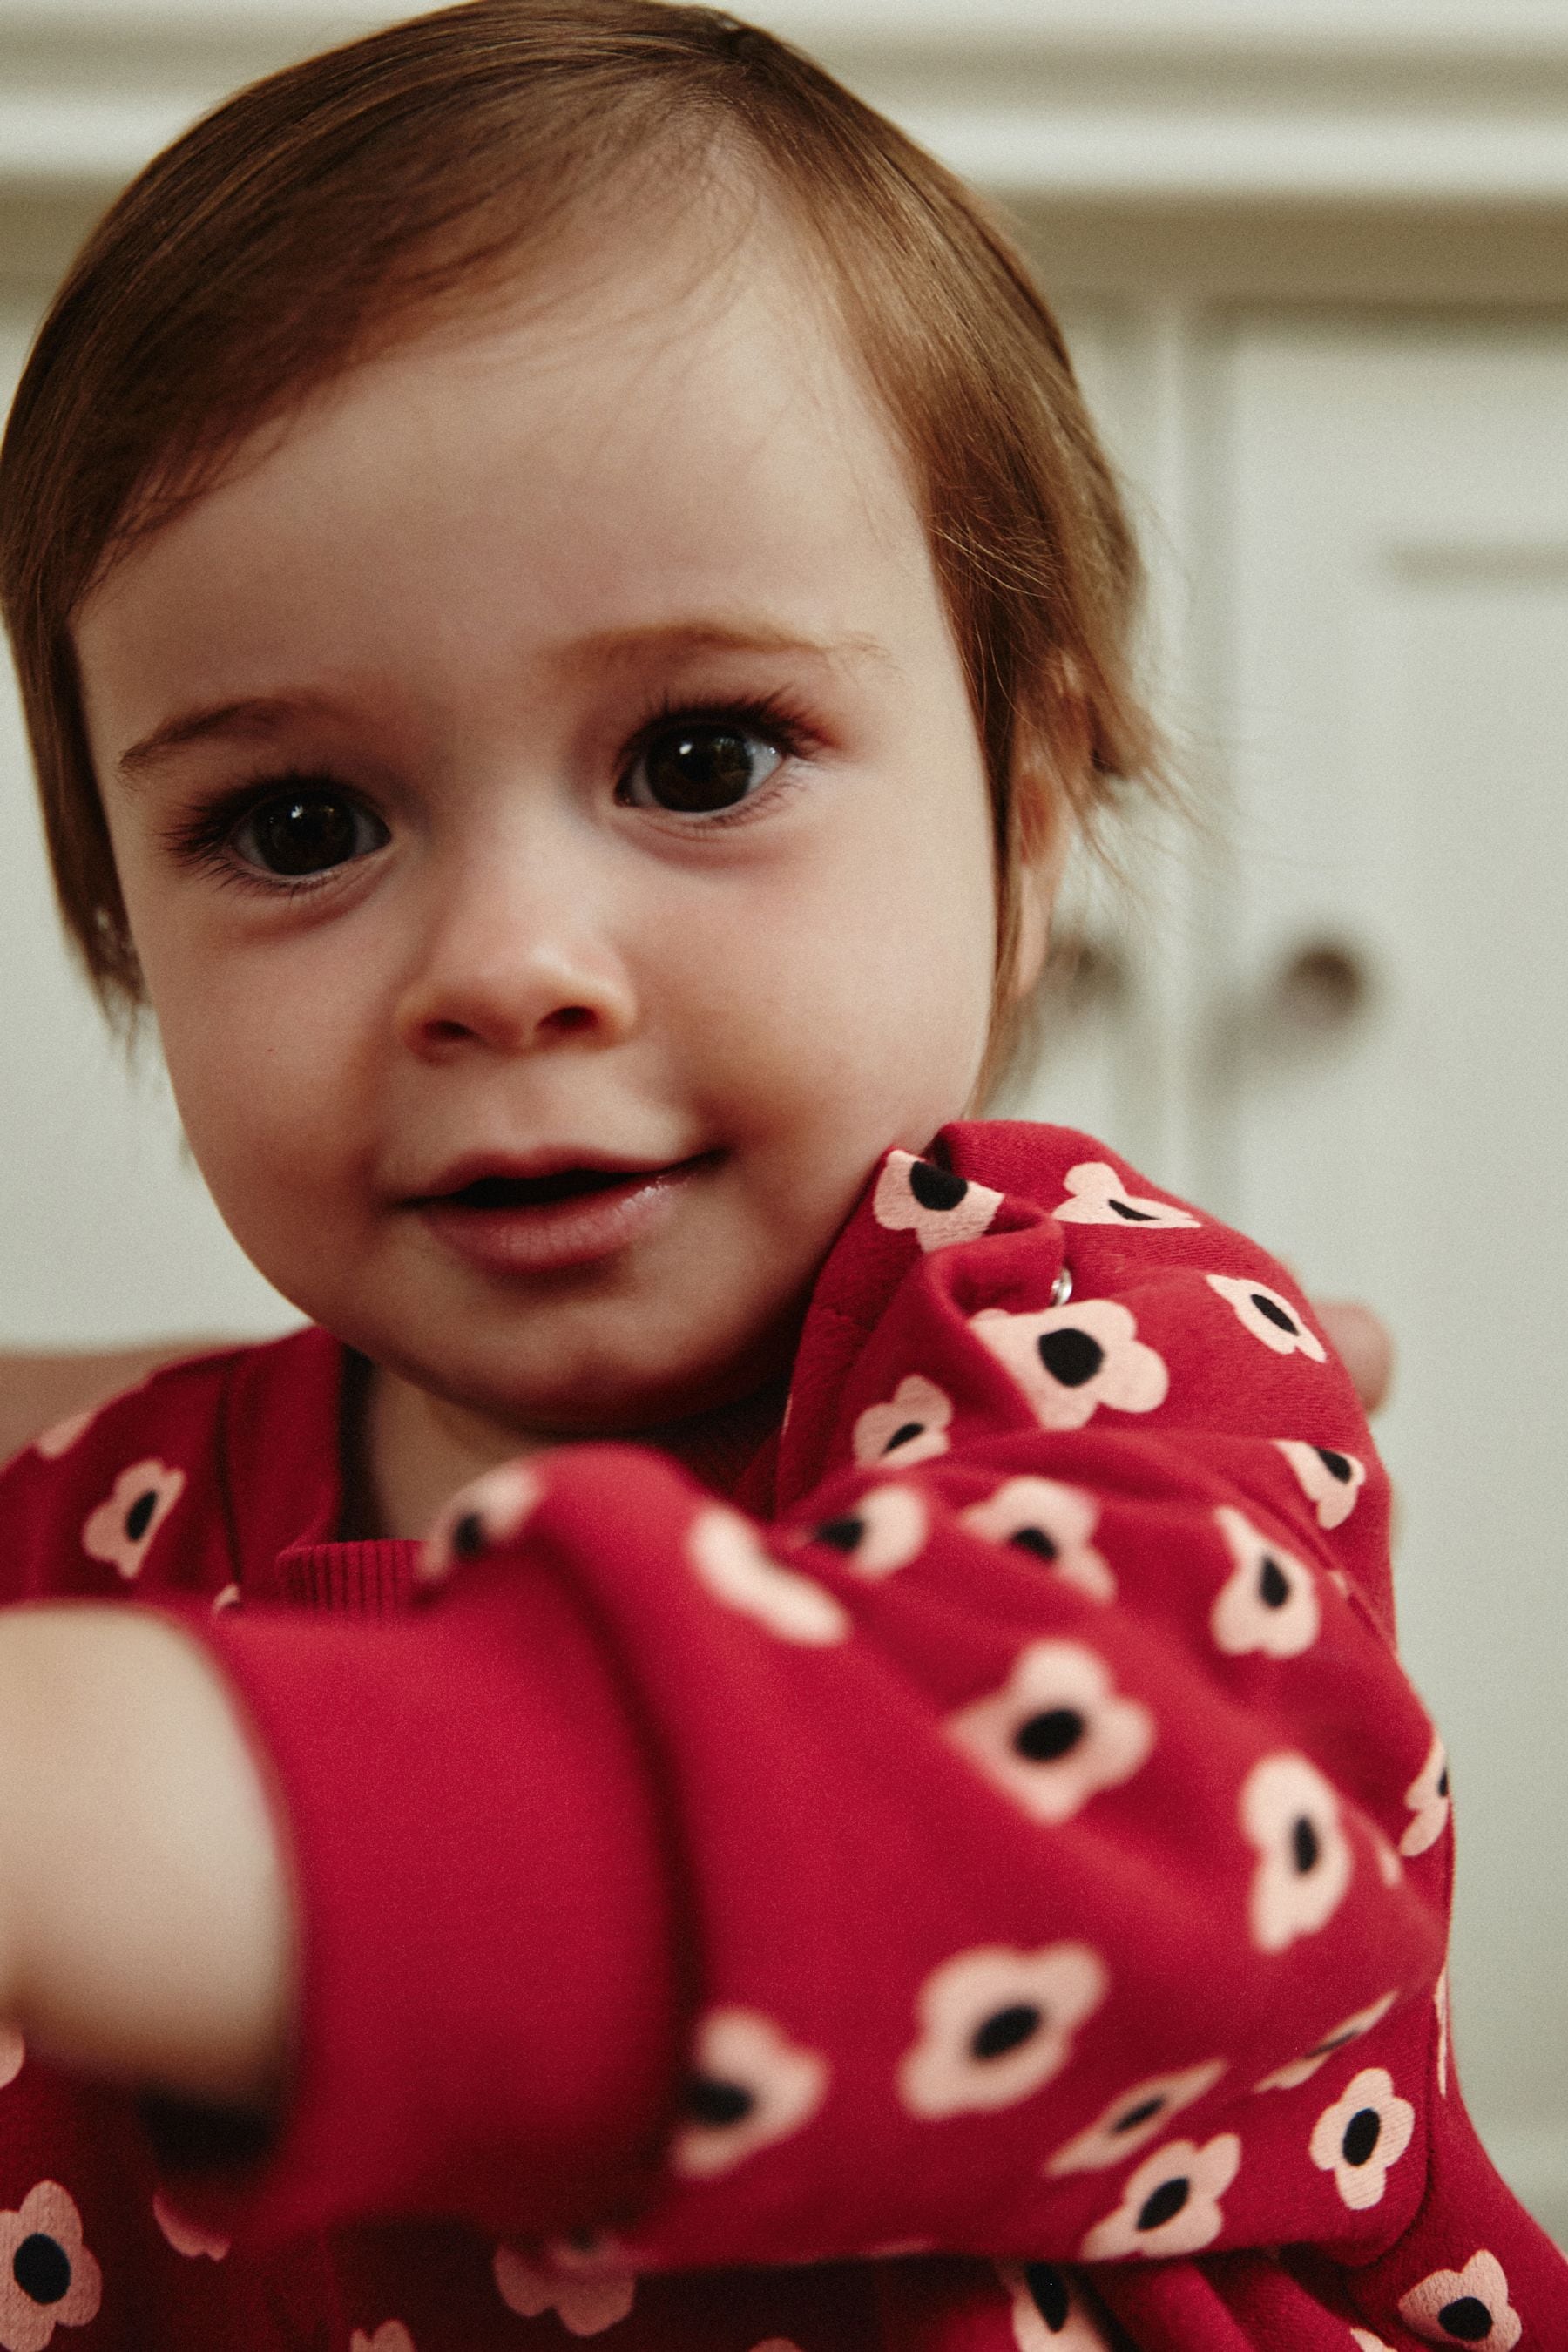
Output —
(1364, 1345)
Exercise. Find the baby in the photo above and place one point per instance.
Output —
(777, 1730)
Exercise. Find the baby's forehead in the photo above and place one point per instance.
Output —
(646, 453)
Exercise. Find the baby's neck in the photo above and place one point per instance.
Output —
(409, 1451)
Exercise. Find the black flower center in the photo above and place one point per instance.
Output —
(1443, 1781)
(901, 1436)
(1164, 2204)
(1304, 1847)
(709, 2100)
(936, 1188)
(1005, 2030)
(1130, 2119)
(1048, 2288)
(1048, 1734)
(1468, 2321)
(1071, 1356)
(1362, 2133)
(1033, 1540)
(841, 1534)
(1133, 1216)
(41, 2268)
(139, 1515)
(1273, 1584)
(1280, 1317)
(1336, 1464)
(468, 1536)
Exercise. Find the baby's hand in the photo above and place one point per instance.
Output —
(1361, 1341)
(146, 1932)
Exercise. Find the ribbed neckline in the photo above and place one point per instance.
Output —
(313, 1378)
(372, 1578)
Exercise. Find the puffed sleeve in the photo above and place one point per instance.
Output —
(983, 1847)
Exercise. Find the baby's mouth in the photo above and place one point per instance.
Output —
(499, 1191)
(506, 1223)
(541, 1192)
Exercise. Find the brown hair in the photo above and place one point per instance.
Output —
(338, 206)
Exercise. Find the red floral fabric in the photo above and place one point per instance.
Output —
(975, 1881)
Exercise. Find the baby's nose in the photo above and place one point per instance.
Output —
(513, 964)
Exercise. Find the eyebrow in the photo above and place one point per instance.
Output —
(252, 719)
(255, 718)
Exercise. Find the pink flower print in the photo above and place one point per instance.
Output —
(122, 1526)
(489, 1510)
(1069, 1360)
(1134, 2118)
(1390, 1869)
(1052, 1521)
(12, 2052)
(186, 2236)
(1365, 2132)
(1049, 2313)
(996, 2024)
(750, 2085)
(588, 2254)
(48, 2278)
(1170, 2204)
(1302, 2070)
(1467, 2306)
(1056, 1732)
(1271, 1602)
(1427, 1798)
(585, 2306)
(937, 1207)
(911, 1427)
(883, 1531)
(64, 1435)
(1365, 2341)
(1269, 1316)
(1097, 1196)
(1330, 1480)
(390, 2336)
(1290, 1813)
(730, 1559)
(229, 1598)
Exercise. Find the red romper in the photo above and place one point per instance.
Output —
(977, 1881)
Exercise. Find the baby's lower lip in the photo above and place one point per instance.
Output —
(496, 1234)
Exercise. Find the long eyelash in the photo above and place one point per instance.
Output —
(201, 838)
(776, 715)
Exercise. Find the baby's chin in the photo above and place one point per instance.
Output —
(607, 1401)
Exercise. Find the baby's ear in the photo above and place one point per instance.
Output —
(1051, 776)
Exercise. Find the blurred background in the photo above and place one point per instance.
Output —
(1312, 257)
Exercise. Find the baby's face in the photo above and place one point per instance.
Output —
(591, 874)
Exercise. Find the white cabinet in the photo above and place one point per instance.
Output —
(1397, 707)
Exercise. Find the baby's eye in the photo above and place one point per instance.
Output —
(696, 767)
(300, 833)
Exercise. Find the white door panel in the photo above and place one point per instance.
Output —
(1397, 675)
